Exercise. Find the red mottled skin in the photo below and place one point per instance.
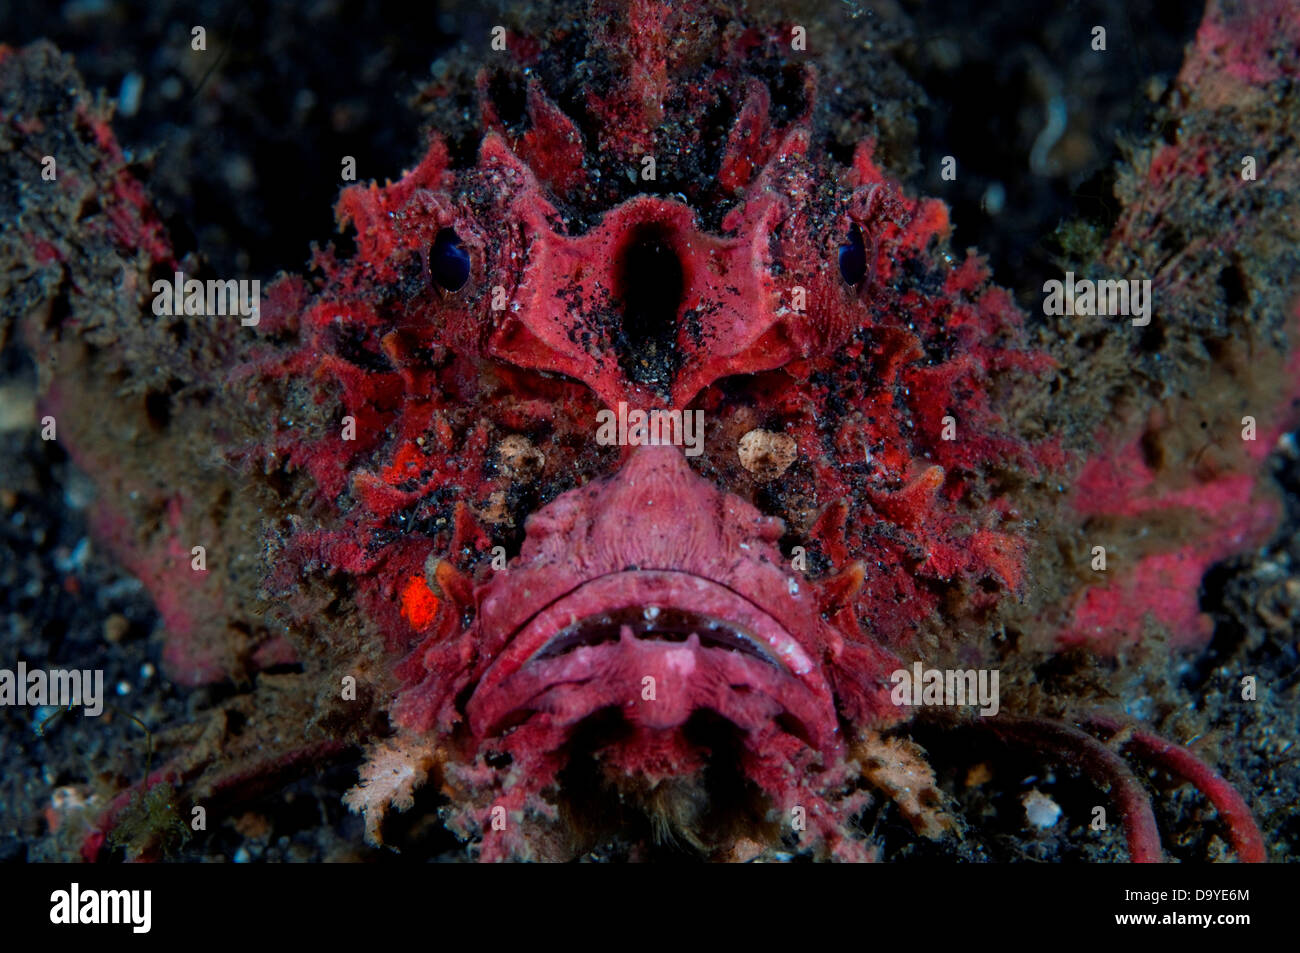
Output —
(499, 670)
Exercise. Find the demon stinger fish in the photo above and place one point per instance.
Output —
(583, 645)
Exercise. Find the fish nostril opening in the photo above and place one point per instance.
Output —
(651, 283)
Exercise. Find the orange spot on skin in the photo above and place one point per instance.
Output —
(409, 462)
(419, 604)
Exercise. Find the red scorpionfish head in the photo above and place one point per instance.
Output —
(693, 628)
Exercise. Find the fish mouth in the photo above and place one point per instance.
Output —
(654, 623)
(658, 645)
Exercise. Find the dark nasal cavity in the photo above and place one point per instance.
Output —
(650, 286)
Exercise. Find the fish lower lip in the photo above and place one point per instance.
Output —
(669, 624)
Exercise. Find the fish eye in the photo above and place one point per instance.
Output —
(853, 257)
(448, 260)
